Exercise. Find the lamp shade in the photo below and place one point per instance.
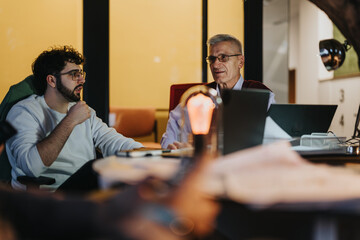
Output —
(201, 123)
(200, 109)
(332, 53)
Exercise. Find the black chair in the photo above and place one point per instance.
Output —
(16, 93)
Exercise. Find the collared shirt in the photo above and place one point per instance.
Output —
(237, 85)
(173, 130)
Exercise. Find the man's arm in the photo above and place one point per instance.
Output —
(173, 129)
(108, 140)
(50, 147)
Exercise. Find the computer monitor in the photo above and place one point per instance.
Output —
(356, 128)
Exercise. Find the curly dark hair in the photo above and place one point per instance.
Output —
(52, 62)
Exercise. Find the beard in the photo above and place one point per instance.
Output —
(67, 93)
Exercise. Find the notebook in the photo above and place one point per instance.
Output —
(244, 114)
(142, 152)
(300, 119)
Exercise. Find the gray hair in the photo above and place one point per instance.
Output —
(224, 38)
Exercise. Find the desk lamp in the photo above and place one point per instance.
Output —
(202, 107)
(332, 53)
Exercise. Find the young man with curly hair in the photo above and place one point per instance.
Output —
(58, 132)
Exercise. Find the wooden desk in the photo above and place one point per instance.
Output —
(334, 159)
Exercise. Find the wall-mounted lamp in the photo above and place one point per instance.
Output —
(332, 53)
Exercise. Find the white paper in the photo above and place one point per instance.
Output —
(274, 132)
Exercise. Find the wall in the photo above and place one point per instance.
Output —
(226, 16)
(275, 47)
(307, 73)
(293, 33)
(154, 44)
(28, 30)
(345, 93)
(314, 84)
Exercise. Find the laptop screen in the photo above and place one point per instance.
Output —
(244, 114)
(300, 119)
(356, 128)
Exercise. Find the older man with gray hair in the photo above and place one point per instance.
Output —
(225, 59)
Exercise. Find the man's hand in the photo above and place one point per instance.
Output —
(79, 113)
(50, 147)
(279, 153)
(178, 145)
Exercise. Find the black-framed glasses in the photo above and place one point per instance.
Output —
(221, 58)
(76, 74)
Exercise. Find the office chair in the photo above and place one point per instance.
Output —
(135, 123)
(176, 91)
(16, 93)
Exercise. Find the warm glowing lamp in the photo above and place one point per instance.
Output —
(200, 109)
(201, 112)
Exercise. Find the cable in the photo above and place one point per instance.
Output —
(341, 142)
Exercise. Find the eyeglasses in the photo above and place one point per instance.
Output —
(221, 58)
(76, 74)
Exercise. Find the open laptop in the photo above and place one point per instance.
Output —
(244, 114)
(300, 119)
(346, 152)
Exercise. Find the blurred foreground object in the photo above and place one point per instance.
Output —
(274, 173)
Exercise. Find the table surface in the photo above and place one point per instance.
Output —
(262, 185)
(315, 201)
